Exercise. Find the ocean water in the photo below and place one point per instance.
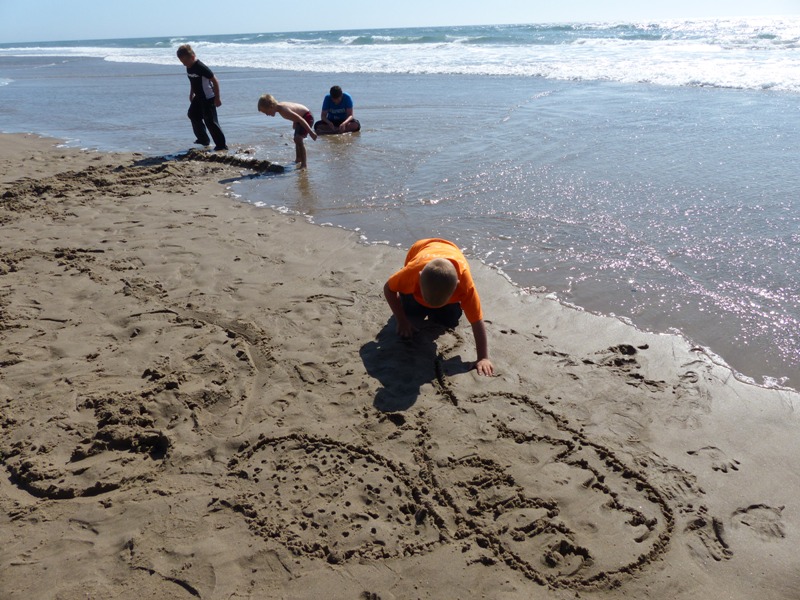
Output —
(647, 171)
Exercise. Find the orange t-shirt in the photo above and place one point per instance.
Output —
(406, 280)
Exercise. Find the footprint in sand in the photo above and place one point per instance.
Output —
(622, 359)
(763, 520)
(719, 540)
(708, 537)
(717, 459)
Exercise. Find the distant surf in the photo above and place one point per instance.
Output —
(754, 53)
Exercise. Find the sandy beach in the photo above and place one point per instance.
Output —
(200, 398)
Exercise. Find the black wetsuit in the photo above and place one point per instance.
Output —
(202, 110)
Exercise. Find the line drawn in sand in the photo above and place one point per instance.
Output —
(338, 501)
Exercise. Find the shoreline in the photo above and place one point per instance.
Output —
(769, 382)
(199, 397)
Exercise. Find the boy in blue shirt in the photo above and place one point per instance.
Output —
(337, 114)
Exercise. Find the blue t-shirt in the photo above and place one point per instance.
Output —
(337, 112)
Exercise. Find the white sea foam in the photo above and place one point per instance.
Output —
(755, 53)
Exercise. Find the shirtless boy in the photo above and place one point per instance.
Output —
(296, 113)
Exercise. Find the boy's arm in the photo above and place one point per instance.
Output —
(217, 100)
(404, 327)
(323, 113)
(483, 365)
(349, 118)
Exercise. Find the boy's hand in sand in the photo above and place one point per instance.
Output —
(405, 329)
(485, 367)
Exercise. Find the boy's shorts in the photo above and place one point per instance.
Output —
(337, 122)
(299, 130)
(446, 316)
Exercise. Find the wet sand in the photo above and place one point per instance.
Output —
(204, 399)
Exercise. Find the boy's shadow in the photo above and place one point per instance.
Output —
(403, 366)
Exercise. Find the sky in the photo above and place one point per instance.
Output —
(57, 20)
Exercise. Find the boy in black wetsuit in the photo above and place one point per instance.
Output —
(204, 98)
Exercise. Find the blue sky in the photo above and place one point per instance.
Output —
(52, 20)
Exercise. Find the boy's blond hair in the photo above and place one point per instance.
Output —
(267, 101)
(437, 282)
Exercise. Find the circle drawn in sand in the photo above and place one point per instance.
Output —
(549, 502)
(326, 499)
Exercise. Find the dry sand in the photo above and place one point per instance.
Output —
(204, 399)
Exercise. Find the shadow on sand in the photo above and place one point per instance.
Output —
(403, 366)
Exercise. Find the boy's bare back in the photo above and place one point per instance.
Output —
(284, 107)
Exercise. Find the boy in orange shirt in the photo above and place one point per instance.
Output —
(435, 282)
